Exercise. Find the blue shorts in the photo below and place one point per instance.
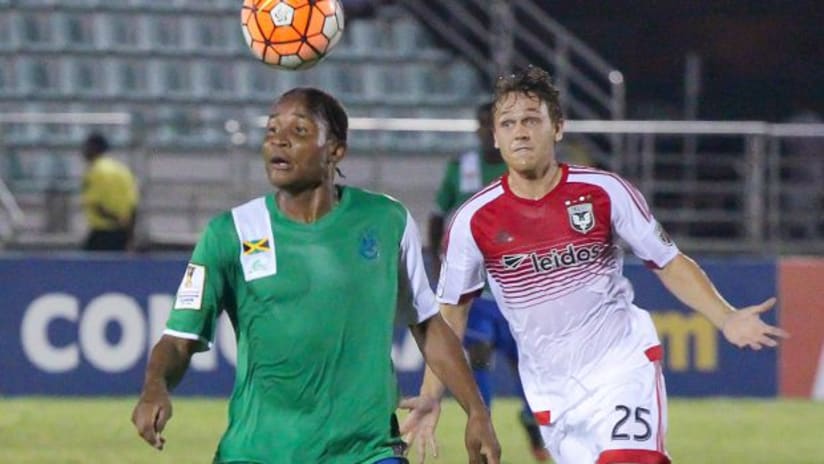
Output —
(486, 324)
(392, 461)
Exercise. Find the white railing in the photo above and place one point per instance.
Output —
(13, 212)
(731, 194)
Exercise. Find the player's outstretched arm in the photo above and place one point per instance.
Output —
(443, 353)
(168, 362)
(743, 327)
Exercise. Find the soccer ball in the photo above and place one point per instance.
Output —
(291, 34)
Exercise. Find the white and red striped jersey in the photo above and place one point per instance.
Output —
(554, 266)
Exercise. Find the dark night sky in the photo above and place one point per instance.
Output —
(760, 58)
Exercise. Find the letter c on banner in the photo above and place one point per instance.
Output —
(34, 333)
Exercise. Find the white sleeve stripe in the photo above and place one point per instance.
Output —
(455, 299)
(636, 196)
(187, 336)
(632, 192)
(462, 268)
(467, 202)
(423, 300)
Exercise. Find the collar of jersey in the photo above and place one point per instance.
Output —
(505, 184)
(328, 219)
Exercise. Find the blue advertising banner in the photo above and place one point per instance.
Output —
(83, 326)
(698, 361)
(75, 325)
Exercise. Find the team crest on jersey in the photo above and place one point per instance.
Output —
(581, 217)
(369, 247)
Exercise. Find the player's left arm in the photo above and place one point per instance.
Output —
(682, 276)
(743, 327)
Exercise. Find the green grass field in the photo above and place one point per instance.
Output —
(89, 431)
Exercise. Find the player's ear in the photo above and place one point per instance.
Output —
(338, 152)
(495, 138)
(559, 131)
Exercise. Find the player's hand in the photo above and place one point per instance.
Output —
(153, 410)
(744, 328)
(419, 426)
(481, 442)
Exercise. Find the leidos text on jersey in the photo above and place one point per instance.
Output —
(556, 258)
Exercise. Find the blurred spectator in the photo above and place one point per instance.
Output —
(110, 198)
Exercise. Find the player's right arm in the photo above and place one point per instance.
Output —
(455, 315)
(190, 327)
(442, 351)
(461, 278)
(418, 428)
(168, 362)
(684, 278)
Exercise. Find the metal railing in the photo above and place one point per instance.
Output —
(48, 214)
(591, 87)
(750, 180)
(746, 188)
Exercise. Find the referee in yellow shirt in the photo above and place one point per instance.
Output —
(110, 198)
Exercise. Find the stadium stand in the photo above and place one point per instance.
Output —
(181, 70)
(183, 99)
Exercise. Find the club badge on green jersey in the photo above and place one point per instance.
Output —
(369, 247)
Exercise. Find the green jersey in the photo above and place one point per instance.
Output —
(464, 177)
(313, 307)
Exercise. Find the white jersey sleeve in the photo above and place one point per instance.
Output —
(416, 302)
(462, 266)
(634, 224)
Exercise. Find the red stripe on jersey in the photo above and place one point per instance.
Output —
(544, 293)
(512, 281)
(634, 194)
(551, 287)
(651, 265)
(655, 353)
(543, 417)
(659, 394)
(637, 456)
(528, 275)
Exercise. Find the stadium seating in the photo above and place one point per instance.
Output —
(179, 69)
(182, 70)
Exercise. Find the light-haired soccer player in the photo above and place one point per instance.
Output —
(487, 331)
(312, 278)
(589, 358)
